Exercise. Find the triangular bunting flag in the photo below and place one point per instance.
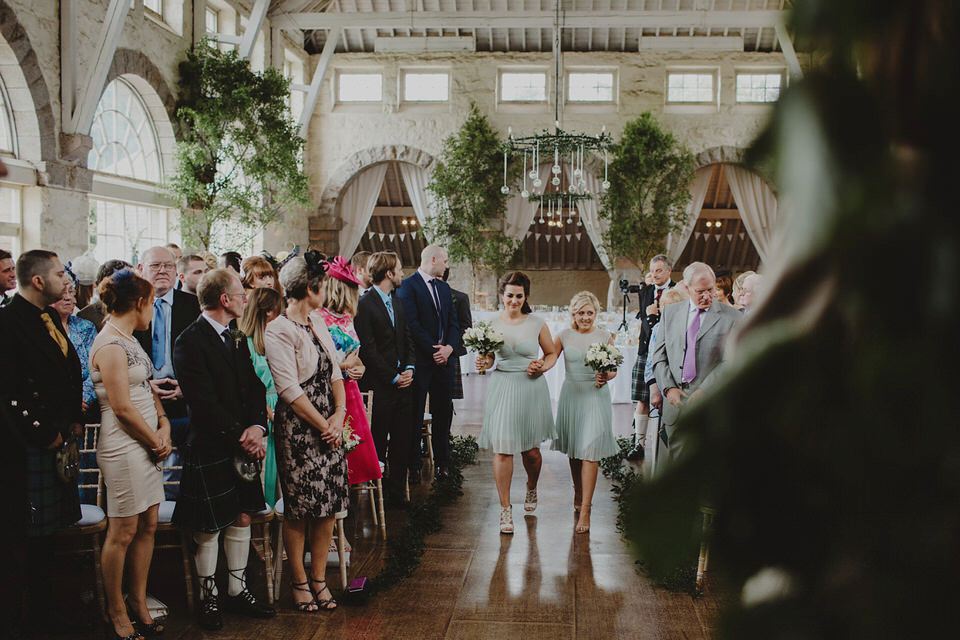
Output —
(568, 237)
(392, 236)
(741, 235)
(403, 236)
(557, 238)
(370, 234)
(413, 234)
(578, 235)
(696, 235)
(381, 236)
(729, 237)
(537, 236)
(529, 233)
(717, 237)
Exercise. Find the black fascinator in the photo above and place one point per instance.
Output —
(316, 263)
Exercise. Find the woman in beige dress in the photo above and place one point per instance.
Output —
(134, 439)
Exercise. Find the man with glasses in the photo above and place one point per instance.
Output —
(173, 311)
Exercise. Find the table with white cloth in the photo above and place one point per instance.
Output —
(626, 341)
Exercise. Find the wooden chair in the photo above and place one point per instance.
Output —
(427, 432)
(180, 538)
(93, 519)
(338, 536)
(704, 560)
(374, 488)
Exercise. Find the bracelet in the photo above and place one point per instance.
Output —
(162, 415)
(340, 406)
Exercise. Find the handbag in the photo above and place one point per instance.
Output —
(68, 460)
(247, 469)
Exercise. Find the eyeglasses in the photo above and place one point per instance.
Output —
(157, 267)
(242, 295)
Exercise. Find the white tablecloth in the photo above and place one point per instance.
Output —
(626, 341)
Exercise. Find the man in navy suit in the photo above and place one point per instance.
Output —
(432, 321)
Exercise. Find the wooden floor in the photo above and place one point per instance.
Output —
(474, 583)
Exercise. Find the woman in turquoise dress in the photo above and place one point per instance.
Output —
(585, 411)
(263, 305)
(517, 415)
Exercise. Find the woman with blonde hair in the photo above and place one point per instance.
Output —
(585, 412)
(263, 306)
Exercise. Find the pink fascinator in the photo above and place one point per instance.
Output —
(338, 267)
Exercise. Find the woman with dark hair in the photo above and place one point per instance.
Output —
(723, 290)
(81, 333)
(134, 439)
(309, 428)
(263, 306)
(517, 415)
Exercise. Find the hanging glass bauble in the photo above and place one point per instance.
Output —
(504, 189)
(605, 185)
(538, 183)
(555, 181)
(556, 169)
(533, 174)
(524, 194)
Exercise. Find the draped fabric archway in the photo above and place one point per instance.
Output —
(698, 191)
(356, 206)
(589, 211)
(757, 205)
(521, 212)
(415, 180)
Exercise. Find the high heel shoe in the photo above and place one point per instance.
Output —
(153, 629)
(328, 604)
(584, 511)
(530, 501)
(110, 633)
(305, 606)
(506, 519)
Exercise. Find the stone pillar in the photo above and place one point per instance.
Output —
(325, 234)
(64, 209)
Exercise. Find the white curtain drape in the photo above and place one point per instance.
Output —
(415, 180)
(356, 206)
(757, 205)
(589, 213)
(698, 191)
(520, 211)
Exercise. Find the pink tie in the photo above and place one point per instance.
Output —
(690, 354)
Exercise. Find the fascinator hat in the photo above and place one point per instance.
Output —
(339, 267)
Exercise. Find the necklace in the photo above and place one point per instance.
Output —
(120, 331)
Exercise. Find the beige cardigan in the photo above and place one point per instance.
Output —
(293, 358)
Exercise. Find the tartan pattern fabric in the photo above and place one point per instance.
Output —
(54, 504)
(641, 392)
(457, 379)
(211, 495)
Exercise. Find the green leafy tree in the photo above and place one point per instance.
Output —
(469, 205)
(238, 161)
(649, 174)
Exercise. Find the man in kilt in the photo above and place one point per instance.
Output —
(227, 408)
(42, 393)
(660, 268)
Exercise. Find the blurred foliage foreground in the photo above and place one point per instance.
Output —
(832, 449)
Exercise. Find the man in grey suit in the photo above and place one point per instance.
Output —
(689, 347)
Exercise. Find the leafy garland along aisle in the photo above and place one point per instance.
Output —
(624, 481)
(407, 547)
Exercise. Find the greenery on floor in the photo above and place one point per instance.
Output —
(624, 479)
(406, 548)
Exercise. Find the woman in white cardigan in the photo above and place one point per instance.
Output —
(308, 427)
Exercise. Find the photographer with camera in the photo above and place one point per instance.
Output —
(649, 316)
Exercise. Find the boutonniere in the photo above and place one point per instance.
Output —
(237, 336)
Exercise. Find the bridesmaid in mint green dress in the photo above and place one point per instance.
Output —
(263, 305)
(517, 415)
(585, 411)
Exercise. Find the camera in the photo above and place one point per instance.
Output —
(626, 288)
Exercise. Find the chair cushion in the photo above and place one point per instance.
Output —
(278, 508)
(89, 514)
(165, 513)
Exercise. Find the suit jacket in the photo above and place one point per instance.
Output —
(647, 295)
(184, 311)
(221, 388)
(424, 322)
(669, 350)
(96, 312)
(41, 388)
(383, 344)
(461, 304)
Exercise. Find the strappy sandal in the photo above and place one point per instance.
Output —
(530, 501)
(304, 607)
(153, 629)
(506, 519)
(328, 604)
(583, 528)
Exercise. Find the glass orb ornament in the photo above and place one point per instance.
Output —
(555, 181)
(504, 189)
(541, 218)
(577, 173)
(579, 222)
(572, 188)
(556, 169)
(605, 185)
(524, 194)
(583, 183)
(533, 174)
(538, 183)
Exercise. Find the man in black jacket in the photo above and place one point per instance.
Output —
(42, 391)
(387, 351)
(227, 408)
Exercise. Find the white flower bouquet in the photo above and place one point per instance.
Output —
(602, 357)
(350, 437)
(483, 339)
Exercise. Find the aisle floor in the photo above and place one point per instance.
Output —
(544, 581)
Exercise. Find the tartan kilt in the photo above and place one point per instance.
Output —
(641, 392)
(457, 379)
(55, 504)
(211, 495)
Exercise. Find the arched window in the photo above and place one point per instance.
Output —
(10, 194)
(6, 126)
(127, 214)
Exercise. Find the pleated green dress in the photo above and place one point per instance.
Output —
(517, 415)
(585, 413)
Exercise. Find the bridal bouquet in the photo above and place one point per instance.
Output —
(602, 358)
(350, 437)
(483, 339)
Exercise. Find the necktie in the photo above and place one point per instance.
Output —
(54, 333)
(659, 293)
(389, 303)
(228, 340)
(690, 354)
(436, 301)
(159, 333)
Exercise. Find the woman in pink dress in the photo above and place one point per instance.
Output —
(337, 312)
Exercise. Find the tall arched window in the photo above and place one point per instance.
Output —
(11, 215)
(126, 213)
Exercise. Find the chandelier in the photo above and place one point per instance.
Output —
(565, 147)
